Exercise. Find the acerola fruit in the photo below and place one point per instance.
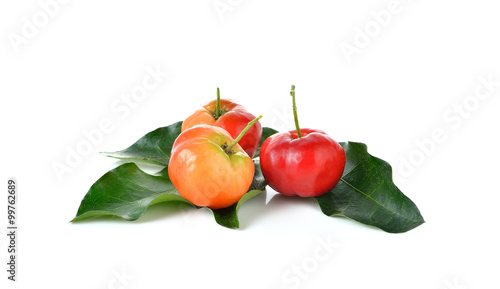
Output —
(230, 116)
(303, 162)
(209, 168)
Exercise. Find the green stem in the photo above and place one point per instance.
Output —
(242, 133)
(217, 105)
(292, 93)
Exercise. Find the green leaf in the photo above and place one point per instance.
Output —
(367, 194)
(228, 217)
(258, 182)
(127, 192)
(266, 132)
(154, 147)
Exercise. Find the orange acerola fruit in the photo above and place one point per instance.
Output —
(205, 171)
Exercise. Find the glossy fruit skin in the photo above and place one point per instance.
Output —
(203, 173)
(234, 119)
(308, 166)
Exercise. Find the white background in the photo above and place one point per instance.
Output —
(404, 82)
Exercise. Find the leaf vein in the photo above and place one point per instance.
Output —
(155, 194)
(353, 168)
(161, 150)
(375, 201)
(378, 187)
(142, 199)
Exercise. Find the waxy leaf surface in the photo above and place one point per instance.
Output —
(367, 194)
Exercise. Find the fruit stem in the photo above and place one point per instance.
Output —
(292, 93)
(217, 105)
(242, 133)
